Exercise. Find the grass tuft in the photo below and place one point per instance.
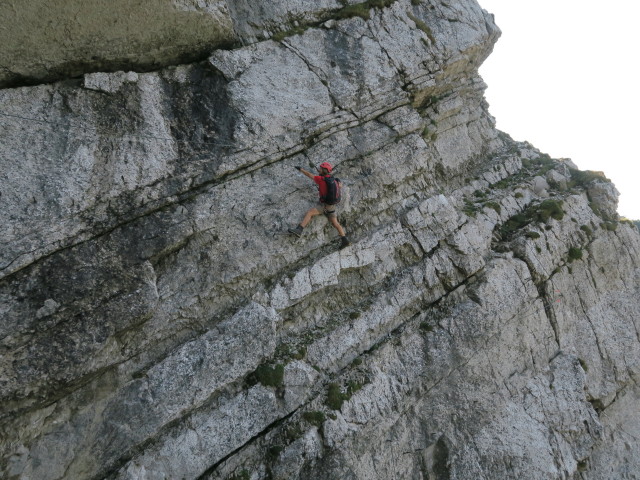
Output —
(279, 36)
(423, 27)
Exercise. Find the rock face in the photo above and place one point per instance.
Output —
(156, 324)
(45, 40)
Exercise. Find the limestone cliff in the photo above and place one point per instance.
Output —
(157, 324)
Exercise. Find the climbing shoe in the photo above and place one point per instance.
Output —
(344, 242)
(296, 231)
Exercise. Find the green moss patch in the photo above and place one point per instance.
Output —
(426, 327)
(314, 418)
(550, 209)
(495, 206)
(536, 213)
(586, 229)
(335, 396)
(267, 375)
(242, 475)
(362, 10)
(274, 452)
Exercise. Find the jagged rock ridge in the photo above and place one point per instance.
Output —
(156, 325)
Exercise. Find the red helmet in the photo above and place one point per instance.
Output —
(326, 165)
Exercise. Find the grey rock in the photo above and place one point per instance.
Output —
(156, 321)
(604, 196)
(540, 186)
(108, 83)
(45, 41)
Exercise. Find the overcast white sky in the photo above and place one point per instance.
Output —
(564, 76)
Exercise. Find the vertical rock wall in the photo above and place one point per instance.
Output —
(156, 323)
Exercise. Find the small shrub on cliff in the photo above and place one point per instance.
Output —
(586, 229)
(470, 209)
(582, 178)
(479, 194)
(494, 205)
(353, 388)
(550, 209)
(335, 396)
(267, 375)
(542, 164)
(575, 254)
(541, 213)
(502, 184)
(514, 223)
(292, 432)
(359, 10)
(286, 352)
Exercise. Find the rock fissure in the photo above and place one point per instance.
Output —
(258, 436)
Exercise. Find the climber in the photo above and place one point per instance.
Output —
(329, 190)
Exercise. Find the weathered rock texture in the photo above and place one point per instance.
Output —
(157, 325)
(45, 40)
